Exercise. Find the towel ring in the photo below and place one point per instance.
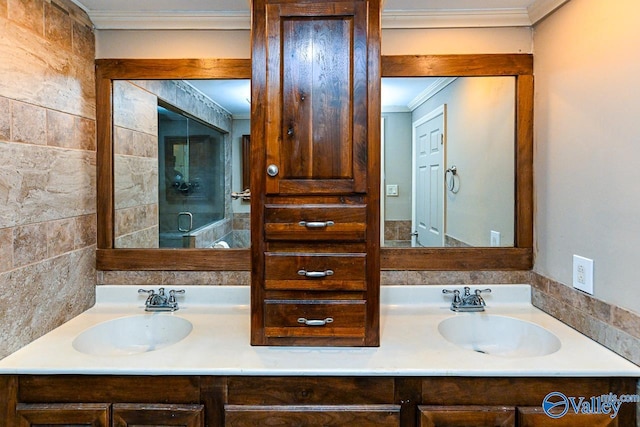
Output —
(453, 184)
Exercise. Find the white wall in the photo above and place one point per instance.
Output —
(587, 145)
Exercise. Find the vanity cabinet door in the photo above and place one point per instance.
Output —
(63, 414)
(464, 416)
(316, 117)
(535, 417)
(157, 415)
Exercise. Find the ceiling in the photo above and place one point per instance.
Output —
(234, 14)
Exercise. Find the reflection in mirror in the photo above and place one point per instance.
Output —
(177, 160)
(448, 162)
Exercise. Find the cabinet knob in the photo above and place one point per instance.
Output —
(272, 170)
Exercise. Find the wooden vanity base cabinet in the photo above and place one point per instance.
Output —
(214, 401)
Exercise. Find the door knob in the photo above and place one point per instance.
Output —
(272, 170)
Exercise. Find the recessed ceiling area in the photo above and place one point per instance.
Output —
(234, 14)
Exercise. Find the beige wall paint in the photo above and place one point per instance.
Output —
(480, 121)
(237, 43)
(587, 145)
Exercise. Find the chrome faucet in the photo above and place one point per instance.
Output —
(468, 302)
(160, 301)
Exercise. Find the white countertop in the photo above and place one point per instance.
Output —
(410, 343)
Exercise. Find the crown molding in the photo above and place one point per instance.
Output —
(391, 19)
(455, 18)
(430, 91)
(171, 20)
(540, 9)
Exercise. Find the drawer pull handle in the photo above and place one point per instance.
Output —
(316, 224)
(315, 274)
(315, 322)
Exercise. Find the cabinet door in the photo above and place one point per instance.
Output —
(316, 117)
(158, 415)
(535, 417)
(285, 415)
(67, 415)
(464, 416)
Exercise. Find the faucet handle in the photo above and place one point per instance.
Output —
(145, 291)
(456, 295)
(173, 292)
(480, 291)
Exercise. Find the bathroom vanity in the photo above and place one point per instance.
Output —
(212, 376)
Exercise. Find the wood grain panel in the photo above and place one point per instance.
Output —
(347, 318)
(347, 271)
(457, 65)
(535, 417)
(172, 259)
(456, 259)
(310, 390)
(513, 391)
(157, 415)
(70, 414)
(316, 98)
(149, 69)
(316, 92)
(464, 416)
(345, 222)
(98, 389)
(343, 415)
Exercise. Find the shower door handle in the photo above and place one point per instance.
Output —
(190, 216)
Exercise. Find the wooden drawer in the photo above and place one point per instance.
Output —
(293, 271)
(315, 222)
(310, 390)
(289, 415)
(315, 318)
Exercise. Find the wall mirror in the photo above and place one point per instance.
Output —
(178, 150)
(448, 166)
(115, 253)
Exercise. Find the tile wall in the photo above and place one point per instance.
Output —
(47, 167)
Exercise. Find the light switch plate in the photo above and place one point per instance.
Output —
(392, 190)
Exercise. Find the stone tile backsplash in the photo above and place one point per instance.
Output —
(614, 327)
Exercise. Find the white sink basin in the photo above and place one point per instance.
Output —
(498, 335)
(133, 335)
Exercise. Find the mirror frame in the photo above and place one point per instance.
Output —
(519, 257)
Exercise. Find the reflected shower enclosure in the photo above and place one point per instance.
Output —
(173, 175)
(191, 177)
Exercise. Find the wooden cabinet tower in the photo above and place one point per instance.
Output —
(315, 185)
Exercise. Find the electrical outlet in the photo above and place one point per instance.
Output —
(392, 190)
(495, 238)
(583, 274)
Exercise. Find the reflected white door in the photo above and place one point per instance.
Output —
(428, 172)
